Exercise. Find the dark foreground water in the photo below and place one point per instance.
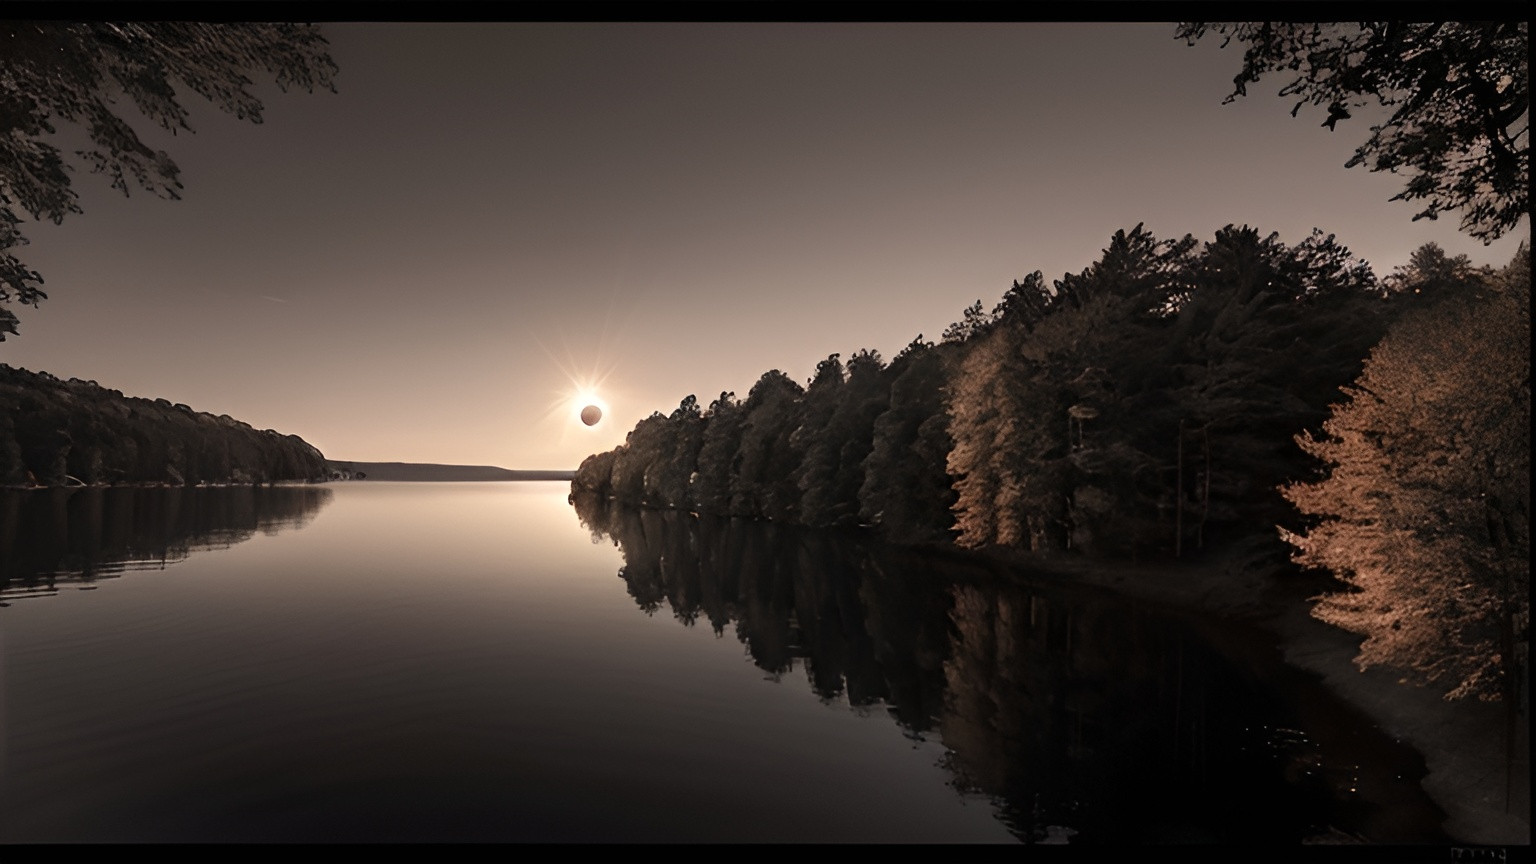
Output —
(470, 662)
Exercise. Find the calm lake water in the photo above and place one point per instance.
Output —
(381, 662)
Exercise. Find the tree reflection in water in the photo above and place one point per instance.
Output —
(1082, 717)
(53, 537)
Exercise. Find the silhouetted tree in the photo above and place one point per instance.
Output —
(1425, 509)
(1135, 406)
(1093, 356)
(595, 475)
(763, 485)
(1430, 276)
(645, 447)
(832, 470)
(54, 73)
(674, 471)
(56, 432)
(1041, 456)
(1256, 353)
(718, 457)
(1459, 93)
(975, 322)
(907, 490)
(822, 396)
(1026, 302)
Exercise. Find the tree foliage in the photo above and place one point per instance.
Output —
(75, 73)
(1257, 350)
(907, 489)
(1459, 94)
(1132, 408)
(1425, 509)
(1151, 405)
(55, 433)
(831, 472)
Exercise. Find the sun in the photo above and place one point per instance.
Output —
(579, 407)
(588, 408)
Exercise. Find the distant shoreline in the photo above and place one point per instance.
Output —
(427, 472)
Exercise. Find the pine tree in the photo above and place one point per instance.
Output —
(1253, 354)
(710, 489)
(974, 420)
(832, 471)
(907, 489)
(762, 485)
(669, 477)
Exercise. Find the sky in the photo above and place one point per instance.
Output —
(427, 265)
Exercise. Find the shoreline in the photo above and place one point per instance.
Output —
(1463, 743)
(340, 470)
(1243, 586)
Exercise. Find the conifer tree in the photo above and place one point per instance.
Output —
(671, 475)
(832, 470)
(907, 489)
(762, 485)
(710, 488)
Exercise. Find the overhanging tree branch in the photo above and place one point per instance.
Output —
(1458, 90)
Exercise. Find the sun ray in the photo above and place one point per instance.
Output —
(584, 383)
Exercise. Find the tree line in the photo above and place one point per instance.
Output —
(1152, 405)
(56, 433)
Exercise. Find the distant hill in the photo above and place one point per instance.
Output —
(70, 433)
(432, 473)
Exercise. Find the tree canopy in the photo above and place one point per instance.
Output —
(76, 73)
(1425, 509)
(1459, 94)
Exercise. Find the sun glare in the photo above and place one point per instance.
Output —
(586, 398)
(579, 408)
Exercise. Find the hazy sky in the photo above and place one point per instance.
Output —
(422, 266)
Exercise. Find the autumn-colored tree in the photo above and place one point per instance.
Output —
(978, 400)
(995, 416)
(1425, 508)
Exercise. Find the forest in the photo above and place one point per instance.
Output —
(1173, 398)
(57, 433)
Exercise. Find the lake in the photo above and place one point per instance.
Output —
(388, 662)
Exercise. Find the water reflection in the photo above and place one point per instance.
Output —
(1085, 719)
(55, 537)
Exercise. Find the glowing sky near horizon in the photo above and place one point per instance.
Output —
(433, 264)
